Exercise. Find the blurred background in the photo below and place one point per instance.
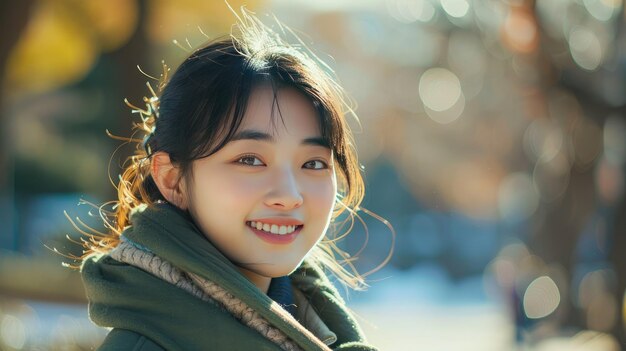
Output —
(493, 139)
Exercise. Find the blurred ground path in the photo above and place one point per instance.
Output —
(420, 309)
(436, 328)
(467, 328)
(35, 325)
(423, 310)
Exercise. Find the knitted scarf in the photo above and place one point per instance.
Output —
(166, 281)
(205, 290)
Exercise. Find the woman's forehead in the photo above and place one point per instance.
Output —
(277, 111)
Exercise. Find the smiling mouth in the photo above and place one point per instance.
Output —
(274, 228)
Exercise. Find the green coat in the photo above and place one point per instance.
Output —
(147, 313)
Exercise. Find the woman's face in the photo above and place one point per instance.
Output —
(276, 176)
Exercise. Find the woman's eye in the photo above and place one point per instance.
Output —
(249, 160)
(316, 164)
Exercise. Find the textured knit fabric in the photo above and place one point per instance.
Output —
(137, 256)
(141, 306)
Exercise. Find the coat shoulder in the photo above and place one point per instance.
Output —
(122, 339)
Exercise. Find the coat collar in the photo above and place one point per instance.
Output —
(168, 233)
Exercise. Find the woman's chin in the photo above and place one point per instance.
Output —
(274, 270)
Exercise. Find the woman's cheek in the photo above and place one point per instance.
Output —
(240, 188)
(322, 195)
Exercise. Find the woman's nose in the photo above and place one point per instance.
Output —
(284, 191)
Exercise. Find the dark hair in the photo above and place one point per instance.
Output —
(201, 107)
(204, 103)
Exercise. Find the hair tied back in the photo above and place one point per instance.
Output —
(150, 113)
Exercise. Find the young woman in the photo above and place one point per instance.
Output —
(218, 238)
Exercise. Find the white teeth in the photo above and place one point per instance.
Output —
(273, 228)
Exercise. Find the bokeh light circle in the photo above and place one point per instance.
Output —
(12, 332)
(585, 48)
(440, 91)
(542, 297)
(455, 8)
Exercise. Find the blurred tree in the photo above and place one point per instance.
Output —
(619, 261)
(67, 67)
(63, 41)
(593, 78)
(70, 71)
(14, 17)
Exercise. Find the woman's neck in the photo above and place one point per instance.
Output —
(260, 281)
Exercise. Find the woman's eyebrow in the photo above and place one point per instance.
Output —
(250, 134)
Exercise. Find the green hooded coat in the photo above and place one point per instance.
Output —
(148, 313)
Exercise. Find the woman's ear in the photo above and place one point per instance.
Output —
(167, 178)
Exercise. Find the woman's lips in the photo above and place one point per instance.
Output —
(276, 238)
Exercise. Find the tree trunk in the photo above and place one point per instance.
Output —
(14, 16)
